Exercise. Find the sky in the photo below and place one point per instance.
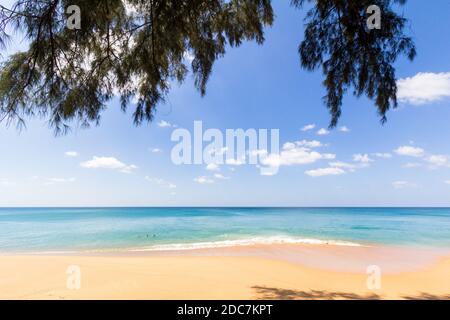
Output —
(405, 162)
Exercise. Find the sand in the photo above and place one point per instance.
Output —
(208, 276)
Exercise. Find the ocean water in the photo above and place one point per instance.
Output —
(40, 230)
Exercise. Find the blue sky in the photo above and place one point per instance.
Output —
(406, 162)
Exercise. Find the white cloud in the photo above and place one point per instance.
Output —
(128, 169)
(212, 167)
(287, 146)
(384, 155)
(59, 180)
(103, 162)
(235, 162)
(410, 151)
(155, 180)
(51, 181)
(188, 56)
(447, 182)
(155, 150)
(309, 143)
(292, 154)
(340, 164)
(424, 87)
(164, 124)
(161, 182)
(363, 158)
(344, 165)
(410, 165)
(344, 129)
(323, 132)
(220, 176)
(302, 143)
(403, 184)
(108, 163)
(209, 180)
(71, 154)
(362, 162)
(267, 172)
(308, 127)
(204, 180)
(434, 160)
(438, 160)
(330, 171)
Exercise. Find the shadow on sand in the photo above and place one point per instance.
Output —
(267, 293)
(427, 296)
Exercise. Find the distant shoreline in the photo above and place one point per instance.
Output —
(224, 207)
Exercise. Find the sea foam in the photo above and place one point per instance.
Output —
(244, 242)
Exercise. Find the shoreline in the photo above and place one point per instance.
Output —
(323, 256)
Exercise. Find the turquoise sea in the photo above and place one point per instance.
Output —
(40, 230)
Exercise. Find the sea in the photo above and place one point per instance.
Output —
(74, 230)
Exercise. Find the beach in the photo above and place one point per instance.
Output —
(224, 253)
(229, 273)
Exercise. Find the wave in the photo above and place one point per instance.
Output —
(243, 243)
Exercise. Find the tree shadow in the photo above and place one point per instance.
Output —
(427, 296)
(266, 293)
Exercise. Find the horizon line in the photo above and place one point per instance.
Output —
(224, 207)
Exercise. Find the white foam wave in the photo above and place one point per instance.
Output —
(244, 242)
(202, 245)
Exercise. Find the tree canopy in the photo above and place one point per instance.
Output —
(133, 49)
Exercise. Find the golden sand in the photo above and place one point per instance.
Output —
(205, 277)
